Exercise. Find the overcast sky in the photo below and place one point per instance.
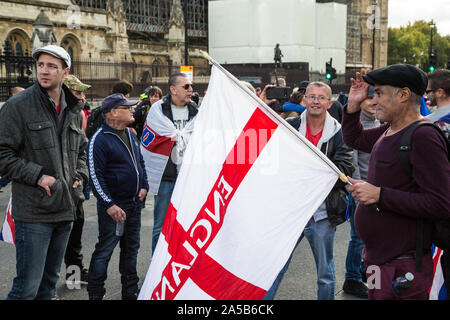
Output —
(403, 11)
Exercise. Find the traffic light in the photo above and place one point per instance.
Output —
(330, 72)
(432, 61)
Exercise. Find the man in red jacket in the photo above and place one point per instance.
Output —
(391, 202)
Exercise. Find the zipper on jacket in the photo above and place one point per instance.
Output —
(132, 159)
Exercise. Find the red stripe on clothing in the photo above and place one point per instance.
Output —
(188, 248)
(10, 221)
(160, 144)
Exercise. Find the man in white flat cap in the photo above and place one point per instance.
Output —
(42, 151)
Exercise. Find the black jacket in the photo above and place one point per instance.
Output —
(170, 172)
(32, 143)
(116, 172)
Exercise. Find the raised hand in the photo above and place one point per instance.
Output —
(359, 91)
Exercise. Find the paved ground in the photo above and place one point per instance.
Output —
(299, 282)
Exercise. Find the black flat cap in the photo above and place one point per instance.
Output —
(400, 76)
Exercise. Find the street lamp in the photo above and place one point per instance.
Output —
(186, 36)
(375, 3)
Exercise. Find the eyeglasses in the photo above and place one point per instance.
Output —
(431, 90)
(186, 86)
(126, 108)
(321, 99)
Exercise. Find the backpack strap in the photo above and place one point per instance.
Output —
(405, 147)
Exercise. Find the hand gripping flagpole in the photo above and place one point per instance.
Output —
(313, 148)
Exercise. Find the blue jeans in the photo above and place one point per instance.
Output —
(353, 262)
(320, 236)
(40, 251)
(162, 200)
(107, 241)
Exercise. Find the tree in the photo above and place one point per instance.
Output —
(411, 44)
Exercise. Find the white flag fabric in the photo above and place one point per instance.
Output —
(7, 233)
(158, 136)
(245, 191)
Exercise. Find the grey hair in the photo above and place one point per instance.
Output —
(322, 85)
(414, 99)
(173, 80)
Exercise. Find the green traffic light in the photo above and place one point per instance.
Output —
(431, 68)
(328, 76)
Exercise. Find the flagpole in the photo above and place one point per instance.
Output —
(313, 148)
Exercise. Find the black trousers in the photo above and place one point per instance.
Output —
(73, 254)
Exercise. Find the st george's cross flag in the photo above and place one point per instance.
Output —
(7, 232)
(246, 189)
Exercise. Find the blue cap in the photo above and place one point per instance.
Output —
(116, 100)
(371, 91)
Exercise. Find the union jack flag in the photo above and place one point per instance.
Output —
(7, 233)
(437, 289)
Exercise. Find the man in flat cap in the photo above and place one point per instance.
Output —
(391, 201)
(42, 151)
(119, 182)
(76, 273)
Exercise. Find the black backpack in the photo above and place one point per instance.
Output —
(440, 232)
(94, 122)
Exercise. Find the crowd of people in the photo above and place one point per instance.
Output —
(59, 150)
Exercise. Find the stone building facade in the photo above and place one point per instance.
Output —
(141, 41)
(144, 40)
(367, 34)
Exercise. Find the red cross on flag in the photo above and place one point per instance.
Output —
(246, 189)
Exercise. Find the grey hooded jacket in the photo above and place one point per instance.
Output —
(34, 142)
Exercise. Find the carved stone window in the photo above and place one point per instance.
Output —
(20, 43)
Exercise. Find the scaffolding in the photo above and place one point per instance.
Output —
(152, 16)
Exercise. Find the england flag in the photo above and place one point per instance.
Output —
(247, 187)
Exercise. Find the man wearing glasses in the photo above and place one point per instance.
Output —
(438, 90)
(119, 182)
(323, 131)
(176, 106)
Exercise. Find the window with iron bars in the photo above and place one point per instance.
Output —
(153, 15)
(97, 4)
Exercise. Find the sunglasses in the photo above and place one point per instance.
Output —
(431, 90)
(186, 86)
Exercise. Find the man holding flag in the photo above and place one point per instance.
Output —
(163, 145)
(391, 201)
(224, 236)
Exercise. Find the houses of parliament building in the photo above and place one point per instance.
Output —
(144, 40)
